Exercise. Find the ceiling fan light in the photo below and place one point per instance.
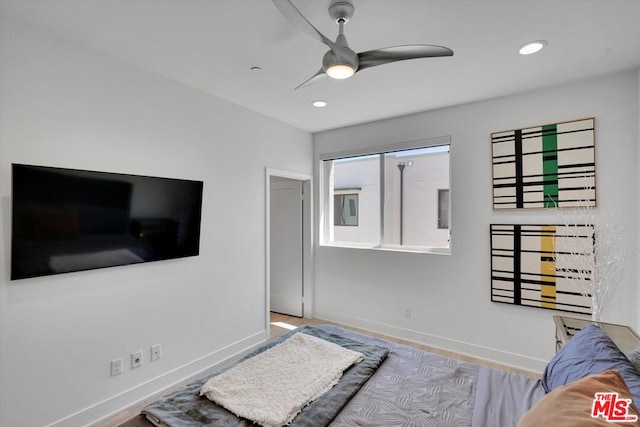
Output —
(532, 47)
(340, 71)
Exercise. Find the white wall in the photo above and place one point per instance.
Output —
(449, 296)
(63, 106)
(638, 192)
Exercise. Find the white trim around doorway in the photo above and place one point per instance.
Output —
(307, 238)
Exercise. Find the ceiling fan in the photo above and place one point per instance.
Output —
(340, 62)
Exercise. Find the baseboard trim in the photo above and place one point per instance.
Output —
(461, 347)
(134, 395)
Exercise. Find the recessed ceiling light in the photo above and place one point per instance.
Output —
(319, 103)
(532, 47)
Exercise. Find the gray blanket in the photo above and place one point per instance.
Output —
(412, 388)
(185, 408)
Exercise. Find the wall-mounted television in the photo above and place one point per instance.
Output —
(66, 220)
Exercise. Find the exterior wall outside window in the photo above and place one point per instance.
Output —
(423, 174)
(360, 173)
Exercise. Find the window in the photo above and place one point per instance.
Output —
(394, 199)
(443, 209)
(345, 208)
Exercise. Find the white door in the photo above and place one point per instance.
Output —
(286, 246)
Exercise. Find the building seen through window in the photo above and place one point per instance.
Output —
(398, 199)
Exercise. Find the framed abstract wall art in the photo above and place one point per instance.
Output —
(547, 266)
(545, 166)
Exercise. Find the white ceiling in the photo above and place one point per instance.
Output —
(211, 45)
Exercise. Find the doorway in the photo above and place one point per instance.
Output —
(288, 244)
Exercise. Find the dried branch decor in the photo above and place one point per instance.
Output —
(598, 260)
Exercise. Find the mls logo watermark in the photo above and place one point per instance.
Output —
(612, 408)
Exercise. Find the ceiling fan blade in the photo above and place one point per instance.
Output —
(296, 18)
(386, 55)
(316, 78)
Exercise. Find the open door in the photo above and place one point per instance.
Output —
(286, 246)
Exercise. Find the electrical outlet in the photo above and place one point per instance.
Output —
(407, 313)
(156, 351)
(116, 366)
(136, 359)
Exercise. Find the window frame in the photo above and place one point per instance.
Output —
(440, 192)
(326, 207)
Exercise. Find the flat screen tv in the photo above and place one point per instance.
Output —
(66, 220)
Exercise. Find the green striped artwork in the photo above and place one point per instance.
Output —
(545, 166)
(550, 165)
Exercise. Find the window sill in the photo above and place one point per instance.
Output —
(390, 248)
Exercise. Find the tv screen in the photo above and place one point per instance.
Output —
(66, 220)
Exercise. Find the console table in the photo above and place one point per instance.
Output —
(623, 336)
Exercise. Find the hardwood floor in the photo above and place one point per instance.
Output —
(295, 321)
(280, 324)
